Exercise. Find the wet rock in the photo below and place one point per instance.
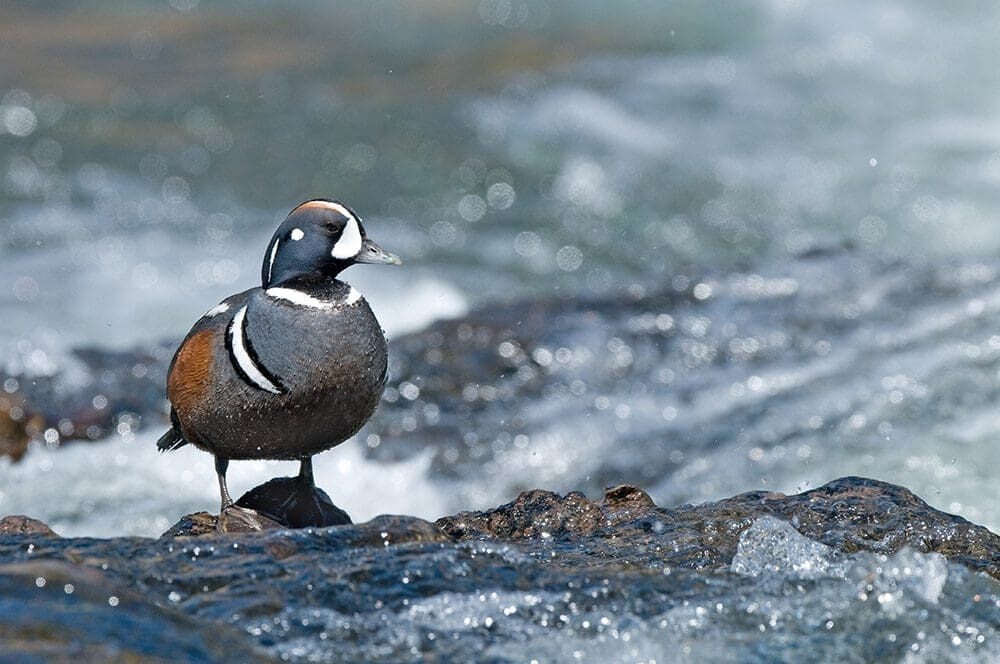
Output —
(544, 566)
(17, 524)
(850, 514)
(193, 525)
(58, 611)
(294, 503)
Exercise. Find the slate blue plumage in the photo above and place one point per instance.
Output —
(291, 368)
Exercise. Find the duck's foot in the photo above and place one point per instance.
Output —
(294, 503)
(237, 519)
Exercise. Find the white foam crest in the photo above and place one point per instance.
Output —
(773, 547)
(114, 487)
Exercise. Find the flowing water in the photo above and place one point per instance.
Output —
(518, 149)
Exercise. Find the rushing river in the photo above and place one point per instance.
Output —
(818, 179)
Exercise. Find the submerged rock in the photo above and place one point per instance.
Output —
(618, 579)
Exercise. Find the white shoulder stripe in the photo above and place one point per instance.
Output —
(352, 296)
(298, 297)
(220, 308)
(242, 357)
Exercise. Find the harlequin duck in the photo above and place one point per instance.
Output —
(289, 369)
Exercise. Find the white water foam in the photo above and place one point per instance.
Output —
(123, 486)
(110, 288)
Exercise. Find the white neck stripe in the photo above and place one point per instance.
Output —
(242, 357)
(270, 263)
(298, 297)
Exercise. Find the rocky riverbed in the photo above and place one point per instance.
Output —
(743, 379)
(856, 569)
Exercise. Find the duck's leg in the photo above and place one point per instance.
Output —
(221, 466)
(306, 472)
(314, 507)
(233, 518)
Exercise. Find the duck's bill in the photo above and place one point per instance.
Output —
(372, 253)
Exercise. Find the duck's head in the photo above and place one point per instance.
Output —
(319, 237)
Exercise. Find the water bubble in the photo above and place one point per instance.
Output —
(927, 209)
(472, 207)
(409, 391)
(47, 152)
(175, 190)
(872, 229)
(569, 258)
(25, 289)
(443, 233)
(18, 120)
(500, 196)
(527, 243)
(471, 172)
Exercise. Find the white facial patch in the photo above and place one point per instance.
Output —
(349, 244)
(297, 234)
(298, 297)
(244, 362)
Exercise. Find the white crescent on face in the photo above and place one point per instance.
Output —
(349, 244)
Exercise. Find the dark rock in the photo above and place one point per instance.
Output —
(17, 524)
(850, 514)
(57, 611)
(294, 503)
(193, 525)
(537, 566)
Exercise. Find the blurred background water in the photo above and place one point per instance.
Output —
(511, 149)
